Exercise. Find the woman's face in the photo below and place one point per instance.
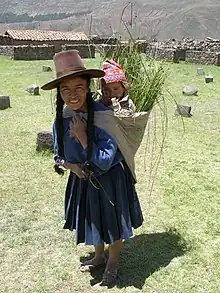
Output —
(73, 92)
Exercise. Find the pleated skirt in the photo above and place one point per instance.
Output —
(103, 209)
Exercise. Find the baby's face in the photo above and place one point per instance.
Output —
(113, 90)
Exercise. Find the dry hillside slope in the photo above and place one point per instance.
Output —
(162, 18)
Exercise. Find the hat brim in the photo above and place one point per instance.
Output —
(92, 73)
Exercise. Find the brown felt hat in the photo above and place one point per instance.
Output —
(69, 63)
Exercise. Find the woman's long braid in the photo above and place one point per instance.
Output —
(90, 125)
(59, 130)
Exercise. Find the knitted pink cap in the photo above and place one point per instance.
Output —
(113, 72)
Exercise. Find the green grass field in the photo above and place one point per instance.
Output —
(178, 247)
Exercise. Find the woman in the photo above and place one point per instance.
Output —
(101, 203)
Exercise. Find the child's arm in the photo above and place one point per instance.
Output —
(132, 106)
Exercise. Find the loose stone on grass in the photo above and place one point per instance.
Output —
(4, 102)
(33, 90)
(208, 78)
(46, 68)
(190, 90)
(200, 71)
(44, 141)
(184, 111)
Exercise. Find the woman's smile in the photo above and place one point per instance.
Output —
(74, 101)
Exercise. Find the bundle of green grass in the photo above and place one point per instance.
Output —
(146, 77)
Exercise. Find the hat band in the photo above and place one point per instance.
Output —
(70, 70)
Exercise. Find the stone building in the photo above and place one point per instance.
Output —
(41, 38)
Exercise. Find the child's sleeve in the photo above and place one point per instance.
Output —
(104, 150)
(131, 105)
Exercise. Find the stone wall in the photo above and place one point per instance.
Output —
(164, 54)
(34, 52)
(44, 52)
(175, 55)
(208, 44)
(201, 57)
(85, 51)
(7, 51)
(109, 50)
(5, 40)
(180, 55)
(97, 40)
(150, 51)
(142, 46)
(57, 43)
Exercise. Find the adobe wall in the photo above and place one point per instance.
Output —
(7, 51)
(202, 57)
(85, 51)
(34, 52)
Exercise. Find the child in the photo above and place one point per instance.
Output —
(101, 203)
(113, 90)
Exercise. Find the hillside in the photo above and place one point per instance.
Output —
(161, 18)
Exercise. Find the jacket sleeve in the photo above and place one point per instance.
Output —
(55, 146)
(104, 151)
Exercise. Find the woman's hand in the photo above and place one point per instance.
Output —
(78, 130)
(76, 169)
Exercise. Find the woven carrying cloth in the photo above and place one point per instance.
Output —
(128, 131)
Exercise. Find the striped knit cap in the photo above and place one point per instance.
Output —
(113, 72)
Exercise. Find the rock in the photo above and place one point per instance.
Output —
(208, 79)
(143, 55)
(33, 90)
(46, 68)
(190, 91)
(200, 71)
(4, 102)
(44, 141)
(184, 111)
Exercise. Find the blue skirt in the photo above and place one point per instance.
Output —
(103, 210)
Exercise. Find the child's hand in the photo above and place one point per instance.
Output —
(114, 100)
(115, 104)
